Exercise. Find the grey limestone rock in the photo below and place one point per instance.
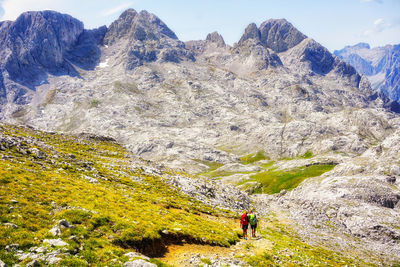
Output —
(55, 242)
(279, 35)
(139, 263)
(55, 231)
(11, 225)
(53, 260)
(216, 38)
(251, 32)
(36, 41)
(42, 43)
(132, 255)
(64, 223)
(11, 247)
(137, 26)
(320, 58)
(143, 37)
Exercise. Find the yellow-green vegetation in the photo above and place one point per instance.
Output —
(206, 261)
(97, 186)
(94, 103)
(307, 155)
(273, 181)
(268, 164)
(212, 165)
(251, 158)
(287, 249)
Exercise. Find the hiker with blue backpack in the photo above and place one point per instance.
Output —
(253, 223)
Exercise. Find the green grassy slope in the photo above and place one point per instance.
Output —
(119, 210)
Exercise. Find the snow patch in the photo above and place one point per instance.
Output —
(104, 64)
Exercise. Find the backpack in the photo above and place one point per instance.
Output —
(244, 220)
(253, 219)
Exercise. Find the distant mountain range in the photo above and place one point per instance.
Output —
(380, 64)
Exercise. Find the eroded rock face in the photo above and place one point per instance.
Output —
(39, 38)
(251, 32)
(142, 37)
(279, 35)
(39, 44)
(137, 26)
(216, 38)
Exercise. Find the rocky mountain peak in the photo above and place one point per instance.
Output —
(276, 34)
(362, 45)
(54, 29)
(32, 24)
(216, 38)
(142, 37)
(280, 35)
(138, 26)
(251, 32)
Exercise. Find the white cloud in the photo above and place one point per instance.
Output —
(379, 25)
(13, 8)
(370, 1)
(116, 9)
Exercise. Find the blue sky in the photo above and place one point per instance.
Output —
(332, 23)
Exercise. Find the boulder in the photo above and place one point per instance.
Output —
(34, 263)
(64, 223)
(132, 255)
(11, 225)
(139, 263)
(55, 242)
(55, 231)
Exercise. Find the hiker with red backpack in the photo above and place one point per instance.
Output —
(244, 224)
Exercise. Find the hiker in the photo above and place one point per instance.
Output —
(244, 224)
(253, 223)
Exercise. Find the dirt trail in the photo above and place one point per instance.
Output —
(186, 254)
(181, 255)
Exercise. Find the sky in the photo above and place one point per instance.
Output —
(334, 24)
